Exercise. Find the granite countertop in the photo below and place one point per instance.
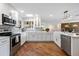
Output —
(70, 34)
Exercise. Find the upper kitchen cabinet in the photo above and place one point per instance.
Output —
(70, 16)
(18, 21)
(4, 8)
(15, 16)
(9, 10)
(76, 19)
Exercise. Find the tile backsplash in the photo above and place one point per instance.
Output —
(13, 29)
(5, 28)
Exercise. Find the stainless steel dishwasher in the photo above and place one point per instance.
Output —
(66, 44)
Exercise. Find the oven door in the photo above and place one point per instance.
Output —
(15, 44)
(15, 40)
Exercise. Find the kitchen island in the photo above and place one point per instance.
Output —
(70, 43)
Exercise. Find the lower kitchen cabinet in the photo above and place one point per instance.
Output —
(75, 46)
(4, 46)
(56, 38)
(30, 36)
(23, 38)
(39, 36)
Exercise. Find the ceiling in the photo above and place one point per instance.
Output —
(45, 9)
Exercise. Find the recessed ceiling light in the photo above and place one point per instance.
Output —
(29, 15)
(22, 11)
(36, 14)
(12, 11)
(50, 15)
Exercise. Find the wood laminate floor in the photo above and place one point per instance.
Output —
(40, 49)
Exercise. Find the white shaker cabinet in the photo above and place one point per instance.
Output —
(39, 36)
(4, 46)
(75, 46)
(23, 38)
(57, 38)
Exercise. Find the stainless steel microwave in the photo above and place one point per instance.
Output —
(7, 21)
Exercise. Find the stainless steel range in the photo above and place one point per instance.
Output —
(15, 43)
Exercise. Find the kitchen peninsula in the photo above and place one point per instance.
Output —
(70, 43)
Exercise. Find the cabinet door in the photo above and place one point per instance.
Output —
(4, 47)
(48, 36)
(57, 39)
(23, 38)
(38, 35)
(75, 46)
(31, 36)
(5, 50)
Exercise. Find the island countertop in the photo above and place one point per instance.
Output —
(70, 34)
